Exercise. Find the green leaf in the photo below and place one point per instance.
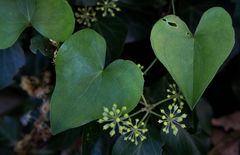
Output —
(151, 146)
(84, 86)
(52, 18)
(193, 60)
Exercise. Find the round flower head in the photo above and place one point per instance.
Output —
(107, 7)
(172, 119)
(135, 131)
(173, 91)
(114, 119)
(86, 16)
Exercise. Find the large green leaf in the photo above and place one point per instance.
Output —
(84, 86)
(52, 18)
(193, 60)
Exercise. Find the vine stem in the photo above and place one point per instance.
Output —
(150, 66)
(144, 117)
(149, 108)
(144, 100)
(138, 112)
(154, 113)
(162, 101)
(173, 7)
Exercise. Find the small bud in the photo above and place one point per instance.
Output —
(112, 133)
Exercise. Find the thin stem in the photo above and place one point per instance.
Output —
(142, 103)
(150, 66)
(154, 113)
(147, 119)
(144, 100)
(138, 112)
(144, 117)
(173, 7)
(162, 101)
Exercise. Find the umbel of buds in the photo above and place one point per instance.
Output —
(117, 120)
(107, 7)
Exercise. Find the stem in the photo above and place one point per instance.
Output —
(147, 119)
(144, 117)
(150, 66)
(144, 100)
(162, 101)
(173, 7)
(142, 103)
(138, 112)
(154, 113)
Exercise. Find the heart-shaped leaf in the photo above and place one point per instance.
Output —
(84, 86)
(52, 18)
(193, 60)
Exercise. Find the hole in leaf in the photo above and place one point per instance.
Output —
(164, 19)
(188, 34)
(172, 24)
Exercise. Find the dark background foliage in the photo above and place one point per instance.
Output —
(127, 37)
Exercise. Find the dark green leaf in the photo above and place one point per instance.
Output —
(182, 143)
(9, 130)
(11, 60)
(114, 30)
(204, 114)
(85, 2)
(38, 44)
(151, 146)
(143, 2)
(65, 139)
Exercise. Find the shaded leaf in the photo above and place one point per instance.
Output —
(85, 2)
(65, 139)
(9, 131)
(38, 43)
(204, 113)
(11, 60)
(114, 30)
(143, 2)
(151, 146)
(182, 143)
